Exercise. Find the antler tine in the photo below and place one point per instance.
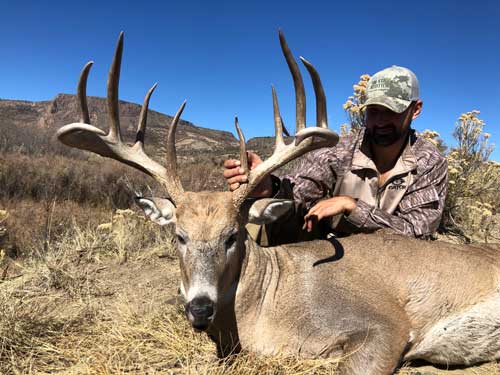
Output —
(285, 130)
(243, 147)
(90, 138)
(174, 185)
(306, 139)
(321, 116)
(81, 93)
(141, 128)
(112, 97)
(300, 94)
(278, 123)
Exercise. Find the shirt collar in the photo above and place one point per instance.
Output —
(362, 158)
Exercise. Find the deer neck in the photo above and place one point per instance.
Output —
(247, 296)
(255, 270)
(258, 283)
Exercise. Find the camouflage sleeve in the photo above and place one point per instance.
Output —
(418, 213)
(314, 179)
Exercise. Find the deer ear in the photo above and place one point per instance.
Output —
(267, 210)
(159, 210)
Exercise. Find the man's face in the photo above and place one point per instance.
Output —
(385, 127)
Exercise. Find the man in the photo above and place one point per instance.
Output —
(385, 176)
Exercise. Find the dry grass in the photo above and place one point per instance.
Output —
(53, 177)
(104, 301)
(92, 181)
(87, 288)
(83, 308)
(44, 195)
(154, 339)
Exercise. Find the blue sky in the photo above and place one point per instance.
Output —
(223, 56)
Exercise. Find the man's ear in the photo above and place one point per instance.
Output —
(267, 210)
(418, 109)
(159, 210)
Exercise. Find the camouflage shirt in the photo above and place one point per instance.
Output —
(410, 201)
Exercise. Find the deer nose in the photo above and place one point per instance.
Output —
(201, 310)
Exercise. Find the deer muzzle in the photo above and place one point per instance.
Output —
(200, 312)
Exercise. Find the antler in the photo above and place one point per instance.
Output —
(306, 139)
(84, 136)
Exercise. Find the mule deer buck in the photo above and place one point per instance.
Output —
(372, 300)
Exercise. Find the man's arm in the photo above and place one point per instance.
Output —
(418, 214)
(313, 178)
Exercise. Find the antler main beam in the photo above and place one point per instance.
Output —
(306, 139)
(84, 136)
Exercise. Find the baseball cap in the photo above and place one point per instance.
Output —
(394, 88)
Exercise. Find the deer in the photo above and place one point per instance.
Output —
(370, 300)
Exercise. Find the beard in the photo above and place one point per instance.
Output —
(386, 135)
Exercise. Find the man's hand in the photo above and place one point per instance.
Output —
(235, 177)
(327, 208)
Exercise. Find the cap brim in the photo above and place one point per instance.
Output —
(394, 104)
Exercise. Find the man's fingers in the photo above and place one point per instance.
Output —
(315, 209)
(240, 179)
(305, 226)
(252, 159)
(234, 174)
(327, 208)
(315, 214)
(310, 223)
(228, 173)
(231, 163)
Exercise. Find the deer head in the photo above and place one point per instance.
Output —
(210, 226)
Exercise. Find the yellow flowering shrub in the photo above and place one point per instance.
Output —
(353, 106)
(435, 138)
(473, 182)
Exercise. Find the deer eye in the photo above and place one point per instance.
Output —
(181, 240)
(231, 240)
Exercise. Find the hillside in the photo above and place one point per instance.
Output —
(26, 122)
(34, 165)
